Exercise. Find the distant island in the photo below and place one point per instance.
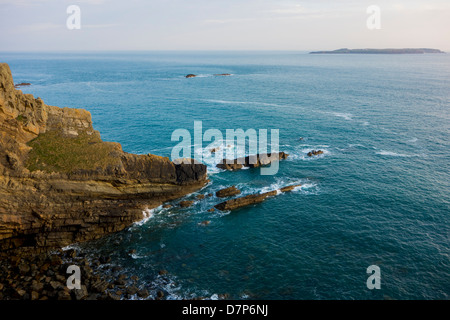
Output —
(379, 51)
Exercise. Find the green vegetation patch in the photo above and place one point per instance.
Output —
(53, 152)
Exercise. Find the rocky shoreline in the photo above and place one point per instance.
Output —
(30, 275)
(61, 184)
(84, 190)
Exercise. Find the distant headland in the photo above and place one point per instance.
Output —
(380, 51)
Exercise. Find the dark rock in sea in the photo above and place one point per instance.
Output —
(205, 223)
(71, 253)
(200, 196)
(191, 75)
(163, 272)
(252, 161)
(132, 290)
(22, 84)
(143, 293)
(290, 188)
(186, 203)
(228, 192)
(314, 153)
(236, 203)
(211, 210)
(99, 286)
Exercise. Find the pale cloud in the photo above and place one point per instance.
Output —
(229, 24)
(225, 21)
(295, 9)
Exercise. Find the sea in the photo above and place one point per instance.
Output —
(377, 198)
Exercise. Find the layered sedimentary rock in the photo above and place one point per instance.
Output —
(240, 202)
(252, 161)
(60, 183)
(228, 192)
(244, 201)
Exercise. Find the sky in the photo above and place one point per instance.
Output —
(40, 25)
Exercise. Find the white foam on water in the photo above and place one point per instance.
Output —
(346, 116)
(356, 145)
(246, 102)
(211, 159)
(302, 154)
(147, 214)
(392, 154)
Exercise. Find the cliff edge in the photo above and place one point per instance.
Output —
(60, 183)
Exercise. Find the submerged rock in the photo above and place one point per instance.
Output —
(191, 75)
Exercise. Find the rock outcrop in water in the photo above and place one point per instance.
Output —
(60, 183)
(22, 84)
(314, 153)
(244, 201)
(228, 192)
(237, 203)
(252, 161)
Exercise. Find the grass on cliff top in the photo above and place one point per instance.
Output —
(53, 152)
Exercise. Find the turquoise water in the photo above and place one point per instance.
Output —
(379, 195)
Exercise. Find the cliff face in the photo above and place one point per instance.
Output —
(60, 183)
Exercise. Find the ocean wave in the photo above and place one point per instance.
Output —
(246, 102)
(393, 154)
(356, 145)
(147, 214)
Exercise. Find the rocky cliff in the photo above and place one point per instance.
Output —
(60, 183)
